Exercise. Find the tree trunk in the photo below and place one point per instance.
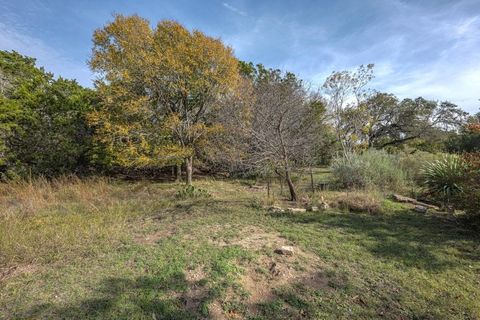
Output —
(178, 172)
(291, 187)
(189, 169)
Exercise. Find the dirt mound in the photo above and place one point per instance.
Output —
(270, 272)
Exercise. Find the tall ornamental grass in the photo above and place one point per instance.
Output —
(374, 169)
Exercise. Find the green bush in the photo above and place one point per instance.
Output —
(190, 192)
(371, 169)
(469, 199)
(347, 172)
(43, 122)
(443, 178)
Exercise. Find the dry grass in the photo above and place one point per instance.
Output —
(26, 198)
(100, 249)
(358, 201)
(45, 221)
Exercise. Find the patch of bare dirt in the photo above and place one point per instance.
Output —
(269, 273)
(215, 311)
(10, 272)
(196, 292)
(253, 238)
(153, 238)
(195, 275)
(272, 271)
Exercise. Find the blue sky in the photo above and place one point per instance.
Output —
(427, 48)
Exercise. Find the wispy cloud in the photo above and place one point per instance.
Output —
(234, 9)
(424, 48)
(52, 59)
(428, 50)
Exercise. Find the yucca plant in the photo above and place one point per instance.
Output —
(443, 178)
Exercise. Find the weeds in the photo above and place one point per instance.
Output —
(191, 192)
(75, 260)
(45, 221)
(359, 201)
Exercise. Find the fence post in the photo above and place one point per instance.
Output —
(268, 187)
(281, 185)
(311, 180)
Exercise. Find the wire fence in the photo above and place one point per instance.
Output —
(305, 181)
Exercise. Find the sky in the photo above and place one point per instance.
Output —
(428, 48)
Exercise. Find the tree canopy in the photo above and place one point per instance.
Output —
(42, 120)
(166, 95)
(158, 88)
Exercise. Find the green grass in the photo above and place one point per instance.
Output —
(115, 250)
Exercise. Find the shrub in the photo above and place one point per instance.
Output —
(372, 168)
(467, 141)
(469, 199)
(472, 159)
(190, 192)
(256, 204)
(455, 181)
(348, 172)
(443, 178)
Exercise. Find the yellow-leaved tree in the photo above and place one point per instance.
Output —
(159, 88)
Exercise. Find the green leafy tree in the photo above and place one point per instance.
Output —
(159, 88)
(468, 139)
(43, 121)
(388, 122)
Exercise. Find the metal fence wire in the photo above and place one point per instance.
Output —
(305, 181)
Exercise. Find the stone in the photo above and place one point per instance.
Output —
(324, 206)
(313, 209)
(404, 199)
(297, 209)
(420, 209)
(276, 209)
(285, 250)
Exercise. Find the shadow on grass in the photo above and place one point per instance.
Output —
(412, 239)
(119, 298)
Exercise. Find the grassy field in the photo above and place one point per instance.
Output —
(100, 249)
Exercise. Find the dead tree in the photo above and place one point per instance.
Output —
(279, 122)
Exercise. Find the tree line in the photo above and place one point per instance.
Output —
(170, 97)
